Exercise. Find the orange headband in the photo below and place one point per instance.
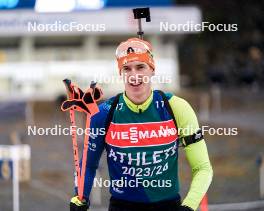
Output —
(134, 49)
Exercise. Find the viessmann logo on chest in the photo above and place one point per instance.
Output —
(141, 134)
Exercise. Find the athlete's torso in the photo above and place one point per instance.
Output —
(142, 152)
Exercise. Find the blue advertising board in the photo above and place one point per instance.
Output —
(17, 4)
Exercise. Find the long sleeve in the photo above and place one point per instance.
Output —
(202, 173)
(95, 149)
(196, 153)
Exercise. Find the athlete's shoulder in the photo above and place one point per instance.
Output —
(157, 93)
(105, 106)
(174, 100)
(179, 102)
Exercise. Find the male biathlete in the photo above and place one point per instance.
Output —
(144, 129)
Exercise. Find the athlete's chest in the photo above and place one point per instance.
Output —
(149, 128)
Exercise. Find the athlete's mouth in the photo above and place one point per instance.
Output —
(135, 84)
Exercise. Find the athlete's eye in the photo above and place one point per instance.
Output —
(140, 67)
(126, 69)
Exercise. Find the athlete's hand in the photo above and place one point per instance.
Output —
(77, 205)
(185, 208)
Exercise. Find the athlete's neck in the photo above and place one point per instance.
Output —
(138, 99)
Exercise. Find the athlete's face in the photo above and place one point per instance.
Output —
(137, 77)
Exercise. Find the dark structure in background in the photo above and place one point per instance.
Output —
(229, 58)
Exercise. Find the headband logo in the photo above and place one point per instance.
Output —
(130, 50)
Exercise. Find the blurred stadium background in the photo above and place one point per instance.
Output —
(220, 73)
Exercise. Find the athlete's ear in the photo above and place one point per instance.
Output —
(153, 71)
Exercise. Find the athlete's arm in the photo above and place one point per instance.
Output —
(95, 149)
(196, 153)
